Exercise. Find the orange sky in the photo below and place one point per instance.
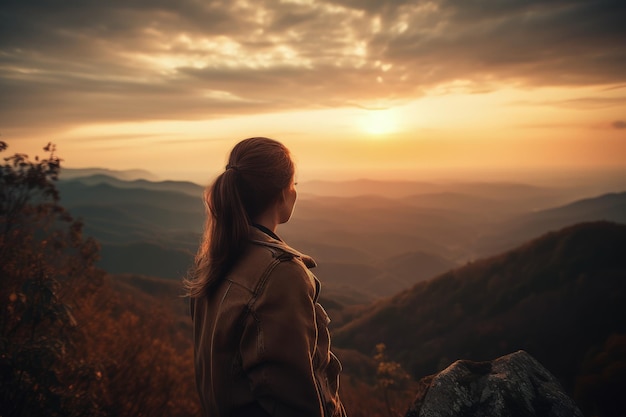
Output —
(354, 88)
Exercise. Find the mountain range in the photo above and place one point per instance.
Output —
(436, 277)
(127, 175)
(367, 246)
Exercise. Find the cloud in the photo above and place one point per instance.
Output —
(532, 43)
(619, 124)
(88, 60)
(579, 103)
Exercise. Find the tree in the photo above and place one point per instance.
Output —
(72, 343)
(390, 377)
(46, 268)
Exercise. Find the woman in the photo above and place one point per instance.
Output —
(261, 343)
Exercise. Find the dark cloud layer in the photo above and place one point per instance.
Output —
(88, 60)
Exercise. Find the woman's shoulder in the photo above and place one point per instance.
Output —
(279, 249)
(290, 267)
(264, 257)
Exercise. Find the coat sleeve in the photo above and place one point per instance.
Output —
(279, 341)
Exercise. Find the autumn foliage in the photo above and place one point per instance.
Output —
(71, 343)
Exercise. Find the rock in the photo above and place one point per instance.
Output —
(514, 385)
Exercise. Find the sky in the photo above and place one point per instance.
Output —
(373, 88)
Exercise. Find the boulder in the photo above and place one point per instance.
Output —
(514, 385)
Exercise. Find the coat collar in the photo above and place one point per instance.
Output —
(263, 239)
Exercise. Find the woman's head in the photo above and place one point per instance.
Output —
(260, 169)
(258, 178)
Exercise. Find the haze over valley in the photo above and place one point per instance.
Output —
(370, 238)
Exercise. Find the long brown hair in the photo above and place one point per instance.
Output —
(258, 170)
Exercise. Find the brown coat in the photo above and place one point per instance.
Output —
(261, 340)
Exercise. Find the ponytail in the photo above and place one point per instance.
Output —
(258, 170)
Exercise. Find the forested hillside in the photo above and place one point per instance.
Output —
(561, 297)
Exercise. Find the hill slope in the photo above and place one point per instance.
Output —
(557, 297)
(609, 207)
(153, 231)
(128, 174)
(186, 187)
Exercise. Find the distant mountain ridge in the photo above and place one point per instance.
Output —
(186, 187)
(144, 227)
(614, 203)
(126, 174)
(352, 238)
(75, 192)
(404, 189)
(609, 207)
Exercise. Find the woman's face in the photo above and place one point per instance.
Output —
(288, 201)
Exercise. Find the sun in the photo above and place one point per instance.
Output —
(379, 122)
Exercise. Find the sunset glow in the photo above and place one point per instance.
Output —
(354, 90)
(379, 122)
